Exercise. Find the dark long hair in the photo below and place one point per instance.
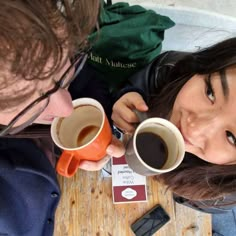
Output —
(196, 179)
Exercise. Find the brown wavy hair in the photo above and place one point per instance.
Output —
(196, 179)
(34, 31)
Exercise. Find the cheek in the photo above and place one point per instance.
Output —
(191, 93)
(193, 88)
(181, 98)
(181, 105)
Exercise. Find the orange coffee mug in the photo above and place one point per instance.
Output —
(84, 135)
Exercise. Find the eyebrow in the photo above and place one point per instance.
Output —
(224, 83)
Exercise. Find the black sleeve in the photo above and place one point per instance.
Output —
(90, 83)
(154, 76)
(215, 206)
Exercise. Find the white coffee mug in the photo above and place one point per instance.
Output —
(156, 147)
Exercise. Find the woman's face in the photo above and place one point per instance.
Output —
(205, 113)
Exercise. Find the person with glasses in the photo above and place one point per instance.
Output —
(196, 92)
(43, 50)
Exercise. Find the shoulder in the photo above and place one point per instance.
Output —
(26, 180)
(169, 58)
(212, 206)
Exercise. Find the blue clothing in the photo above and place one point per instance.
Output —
(29, 191)
(224, 224)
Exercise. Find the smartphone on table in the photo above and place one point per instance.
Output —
(152, 221)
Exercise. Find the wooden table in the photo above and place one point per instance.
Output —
(86, 209)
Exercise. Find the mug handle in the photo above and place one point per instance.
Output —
(67, 165)
(141, 115)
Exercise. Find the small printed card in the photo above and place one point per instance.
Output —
(127, 186)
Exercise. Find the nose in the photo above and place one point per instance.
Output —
(60, 104)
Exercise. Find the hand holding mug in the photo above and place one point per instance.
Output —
(123, 113)
(156, 147)
(115, 149)
(84, 135)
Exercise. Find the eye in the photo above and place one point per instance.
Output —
(231, 138)
(209, 89)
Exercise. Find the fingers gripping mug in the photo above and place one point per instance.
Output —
(84, 135)
(156, 147)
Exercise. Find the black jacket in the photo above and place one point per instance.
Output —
(149, 81)
(151, 78)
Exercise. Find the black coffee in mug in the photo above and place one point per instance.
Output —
(152, 149)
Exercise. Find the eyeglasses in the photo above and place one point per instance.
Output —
(34, 109)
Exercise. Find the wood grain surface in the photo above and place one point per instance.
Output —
(86, 209)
